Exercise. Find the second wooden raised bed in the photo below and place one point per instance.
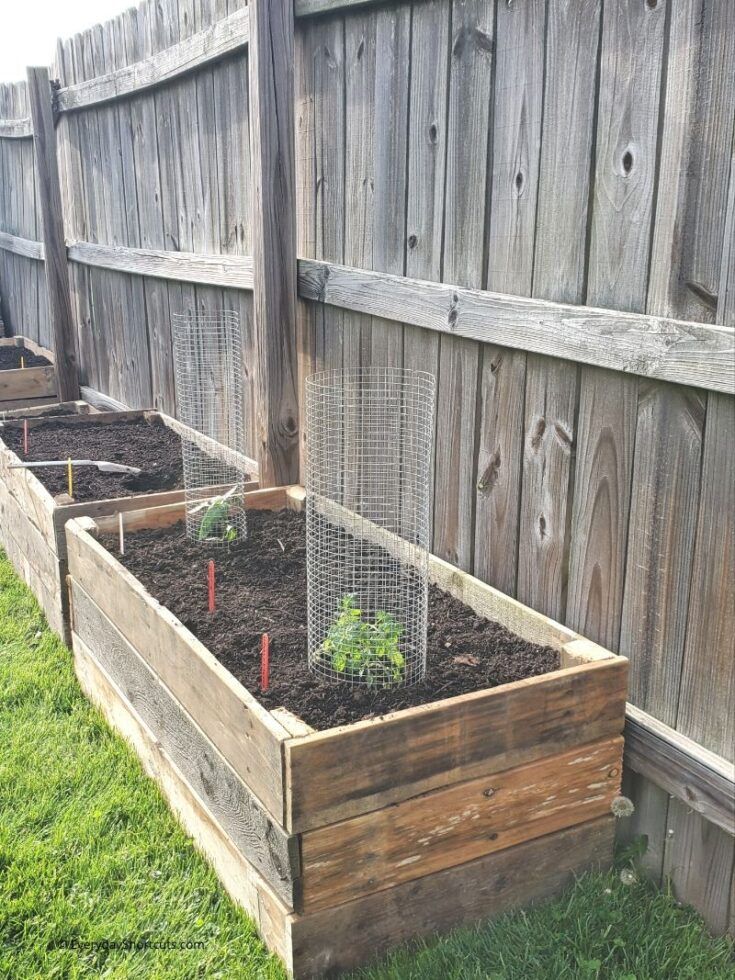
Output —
(32, 520)
(345, 842)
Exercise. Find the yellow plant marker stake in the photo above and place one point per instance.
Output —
(70, 475)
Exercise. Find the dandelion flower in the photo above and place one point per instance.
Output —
(621, 806)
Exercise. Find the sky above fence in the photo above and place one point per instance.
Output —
(30, 30)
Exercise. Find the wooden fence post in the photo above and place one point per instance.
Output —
(57, 270)
(271, 64)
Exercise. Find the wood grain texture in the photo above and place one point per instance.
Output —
(239, 877)
(22, 246)
(465, 895)
(702, 780)
(57, 273)
(452, 826)
(210, 270)
(468, 114)
(16, 128)
(657, 347)
(233, 720)
(239, 813)
(192, 53)
(451, 741)
(271, 65)
(620, 236)
(661, 543)
(696, 155)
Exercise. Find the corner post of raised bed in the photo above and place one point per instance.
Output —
(57, 271)
(271, 67)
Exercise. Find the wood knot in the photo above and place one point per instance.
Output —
(360, 48)
(519, 182)
(433, 133)
(538, 433)
(453, 312)
(652, 4)
(490, 791)
(412, 241)
(627, 162)
(565, 438)
(542, 526)
(612, 773)
(490, 476)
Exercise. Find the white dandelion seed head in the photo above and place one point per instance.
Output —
(628, 876)
(621, 806)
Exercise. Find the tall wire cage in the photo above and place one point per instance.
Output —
(207, 363)
(368, 462)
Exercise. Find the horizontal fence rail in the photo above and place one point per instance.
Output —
(26, 247)
(224, 37)
(229, 271)
(681, 767)
(16, 128)
(655, 347)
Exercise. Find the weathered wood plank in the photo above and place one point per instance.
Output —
(235, 722)
(661, 544)
(451, 741)
(16, 128)
(271, 66)
(702, 780)
(620, 236)
(22, 246)
(696, 154)
(656, 347)
(31, 383)
(232, 271)
(249, 826)
(516, 141)
(239, 877)
(452, 826)
(468, 119)
(567, 144)
(468, 894)
(222, 38)
(57, 273)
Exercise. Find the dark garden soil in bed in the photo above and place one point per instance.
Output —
(261, 588)
(150, 446)
(10, 358)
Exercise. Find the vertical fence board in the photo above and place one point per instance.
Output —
(470, 83)
(559, 268)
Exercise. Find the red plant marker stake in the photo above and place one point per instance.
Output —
(25, 437)
(210, 578)
(265, 661)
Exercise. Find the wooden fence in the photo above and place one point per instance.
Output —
(534, 200)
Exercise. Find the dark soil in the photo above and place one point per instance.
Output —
(10, 358)
(150, 446)
(261, 588)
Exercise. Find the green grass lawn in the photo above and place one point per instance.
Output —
(90, 853)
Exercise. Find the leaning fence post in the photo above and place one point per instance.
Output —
(271, 65)
(57, 271)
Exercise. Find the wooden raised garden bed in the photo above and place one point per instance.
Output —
(32, 518)
(343, 842)
(34, 384)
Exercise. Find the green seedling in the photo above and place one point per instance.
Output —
(214, 517)
(356, 647)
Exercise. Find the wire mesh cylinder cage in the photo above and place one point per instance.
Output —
(208, 370)
(369, 434)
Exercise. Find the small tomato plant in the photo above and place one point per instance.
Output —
(215, 523)
(357, 647)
